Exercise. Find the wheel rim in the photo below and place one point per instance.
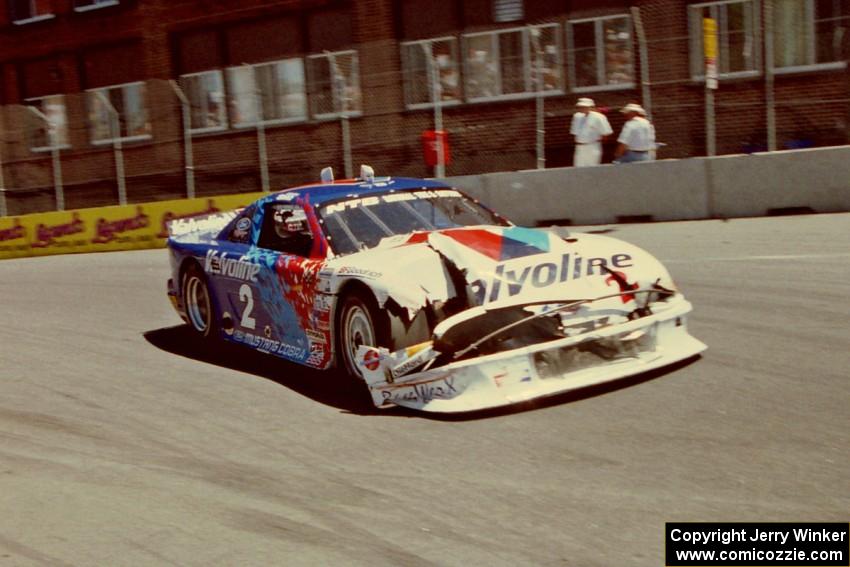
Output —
(357, 331)
(198, 304)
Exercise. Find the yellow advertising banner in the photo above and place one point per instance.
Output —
(128, 227)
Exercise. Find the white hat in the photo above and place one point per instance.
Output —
(632, 107)
(585, 102)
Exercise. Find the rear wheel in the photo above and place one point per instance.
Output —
(198, 301)
(357, 325)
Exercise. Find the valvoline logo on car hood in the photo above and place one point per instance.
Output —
(501, 263)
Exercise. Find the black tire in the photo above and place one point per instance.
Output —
(198, 302)
(358, 323)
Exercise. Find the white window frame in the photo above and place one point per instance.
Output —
(223, 112)
(50, 147)
(811, 48)
(406, 66)
(96, 6)
(599, 46)
(31, 19)
(124, 139)
(697, 56)
(527, 61)
(356, 72)
(258, 119)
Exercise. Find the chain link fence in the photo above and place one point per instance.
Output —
(505, 97)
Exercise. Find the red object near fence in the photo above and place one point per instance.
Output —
(429, 147)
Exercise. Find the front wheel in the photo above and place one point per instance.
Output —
(357, 325)
(198, 302)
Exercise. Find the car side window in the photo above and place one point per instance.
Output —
(285, 229)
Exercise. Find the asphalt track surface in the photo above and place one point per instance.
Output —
(124, 442)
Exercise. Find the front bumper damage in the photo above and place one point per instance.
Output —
(610, 352)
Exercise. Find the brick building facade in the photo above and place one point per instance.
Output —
(303, 64)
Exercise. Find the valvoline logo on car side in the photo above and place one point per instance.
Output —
(237, 268)
(509, 282)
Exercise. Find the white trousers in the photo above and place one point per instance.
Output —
(587, 154)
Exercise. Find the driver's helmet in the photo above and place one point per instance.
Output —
(290, 221)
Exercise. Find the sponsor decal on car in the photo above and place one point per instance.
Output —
(358, 272)
(216, 221)
(390, 198)
(509, 282)
(372, 360)
(272, 346)
(443, 389)
(318, 355)
(169, 217)
(237, 268)
(316, 337)
(418, 355)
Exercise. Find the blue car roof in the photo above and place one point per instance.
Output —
(319, 193)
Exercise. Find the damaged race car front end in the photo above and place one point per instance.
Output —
(513, 351)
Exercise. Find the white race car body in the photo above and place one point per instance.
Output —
(616, 307)
(435, 301)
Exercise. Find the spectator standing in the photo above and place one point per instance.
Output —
(588, 128)
(637, 139)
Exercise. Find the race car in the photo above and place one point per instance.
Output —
(435, 301)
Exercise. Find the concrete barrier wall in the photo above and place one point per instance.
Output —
(725, 186)
(754, 185)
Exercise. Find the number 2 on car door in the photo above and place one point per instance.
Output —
(246, 295)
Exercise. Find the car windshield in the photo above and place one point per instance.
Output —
(356, 224)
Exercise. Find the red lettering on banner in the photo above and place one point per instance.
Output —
(13, 233)
(105, 230)
(46, 235)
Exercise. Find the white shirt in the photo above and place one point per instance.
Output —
(638, 135)
(590, 127)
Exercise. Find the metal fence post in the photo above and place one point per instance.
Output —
(115, 130)
(187, 139)
(643, 54)
(261, 130)
(341, 99)
(769, 95)
(55, 158)
(539, 102)
(4, 210)
(437, 100)
(709, 34)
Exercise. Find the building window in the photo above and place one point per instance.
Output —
(736, 37)
(128, 101)
(418, 86)
(277, 88)
(86, 5)
(26, 11)
(601, 53)
(507, 11)
(501, 64)
(808, 33)
(48, 123)
(205, 92)
(334, 84)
